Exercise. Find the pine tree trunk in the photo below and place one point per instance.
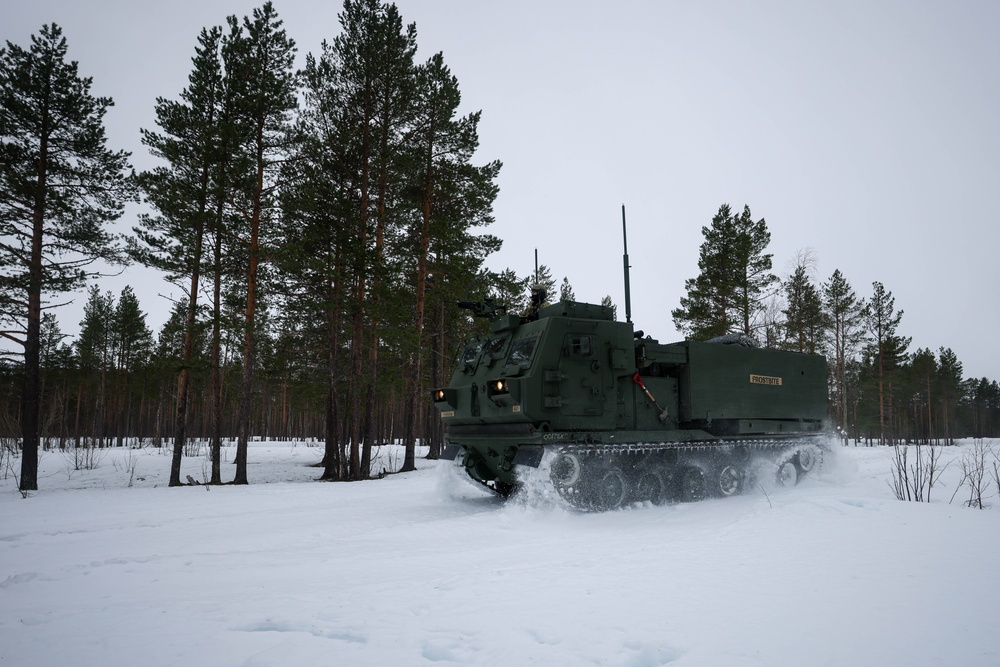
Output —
(246, 386)
(413, 384)
(930, 425)
(184, 379)
(30, 399)
(333, 459)
(249, 350)
(357, 334)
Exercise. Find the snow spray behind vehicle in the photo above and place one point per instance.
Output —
(622, 417)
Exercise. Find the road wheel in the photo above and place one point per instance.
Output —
(730, 480)
(610, 491)
(650, 487)
(807, 459)
(692, 485)
(566, 469)
(788, 474)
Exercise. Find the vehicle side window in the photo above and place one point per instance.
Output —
(578, 345)
(521, 352)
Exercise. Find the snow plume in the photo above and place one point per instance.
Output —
(452, 483)
(537, 492)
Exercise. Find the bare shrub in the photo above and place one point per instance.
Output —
(127, 464)
(914, 481)
(975, 475)
(8, 453)
(995, 467)
(84, 457)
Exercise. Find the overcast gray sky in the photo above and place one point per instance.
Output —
(868, 131)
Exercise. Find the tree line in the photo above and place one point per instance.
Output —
(322, 224)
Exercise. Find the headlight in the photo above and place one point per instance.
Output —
(497, 388)
(444, 398)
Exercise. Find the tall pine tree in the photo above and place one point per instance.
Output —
(950, 390)
(924, 369)
(454, 198)
(369, 86)
(133, 345)
(181, 191)
(734, 280)
(95, 350)
(258, 57)
(59, 186)
(844, 315)
(805, 321)
(886, 348)
(317, 243)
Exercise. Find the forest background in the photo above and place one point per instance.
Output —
(323, 225)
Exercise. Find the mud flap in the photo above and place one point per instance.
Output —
(450, 451)
(529, 455)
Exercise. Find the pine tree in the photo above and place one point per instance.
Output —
(608, 303)
(381, 215)
(95, 350)
(53, 357)
(844, 314)
(505, 287)
(805, 323)
(886, 348)
(181, 192)
(455, 198)
(132, 343)
(316, 238)
(368, 92)
(949, 381)
(543, 278)
(59, 186)
(50, 339)
(258, 57)
(985, 403)
(566, 291)
(924, 369)
(734, 280)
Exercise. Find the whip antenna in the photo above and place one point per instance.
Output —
(628, 289)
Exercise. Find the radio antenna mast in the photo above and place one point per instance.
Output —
(628, 289)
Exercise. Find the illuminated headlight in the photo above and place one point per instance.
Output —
(444, 398)
(497, 388)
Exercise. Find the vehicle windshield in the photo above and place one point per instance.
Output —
(495, 349)
(470, 356)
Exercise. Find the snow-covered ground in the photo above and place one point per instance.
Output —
(422, 569)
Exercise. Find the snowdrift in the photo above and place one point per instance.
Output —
(110, 567)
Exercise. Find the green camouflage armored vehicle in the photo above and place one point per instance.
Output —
(619, 417)
(616, 417)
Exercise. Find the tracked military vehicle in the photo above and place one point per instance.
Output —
(619, 417)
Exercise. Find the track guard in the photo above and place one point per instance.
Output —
(450, 451)
(529, 455)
